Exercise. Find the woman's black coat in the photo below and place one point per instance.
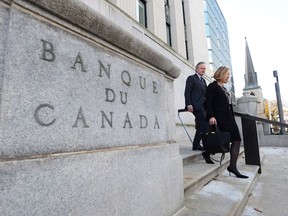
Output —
(217, 106)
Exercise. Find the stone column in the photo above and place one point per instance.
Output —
(247, 104)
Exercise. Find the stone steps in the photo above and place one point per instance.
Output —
(208, 188)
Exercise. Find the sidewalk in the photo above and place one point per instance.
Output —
(264, 194)
(269, 196)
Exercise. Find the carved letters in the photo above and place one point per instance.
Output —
(49, 54)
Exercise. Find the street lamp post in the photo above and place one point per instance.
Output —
(279, 102)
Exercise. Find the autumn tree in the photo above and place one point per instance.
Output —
(266, 108)
(274, 114)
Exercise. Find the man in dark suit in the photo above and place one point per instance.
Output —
(195, 92)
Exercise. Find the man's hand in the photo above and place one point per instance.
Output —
(190, 108)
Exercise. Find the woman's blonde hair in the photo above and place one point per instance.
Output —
(221, 73)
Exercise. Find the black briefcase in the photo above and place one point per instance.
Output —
(216, 141)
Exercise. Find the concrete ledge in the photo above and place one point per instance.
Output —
(273, 140)
(138, 181)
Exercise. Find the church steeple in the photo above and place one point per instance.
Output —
(250, 76)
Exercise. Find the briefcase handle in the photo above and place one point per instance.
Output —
(214, 128)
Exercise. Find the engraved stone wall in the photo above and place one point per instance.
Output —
(62, 92)
(86, 116)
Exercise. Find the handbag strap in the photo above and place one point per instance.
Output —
(220, 160)
(217, 129)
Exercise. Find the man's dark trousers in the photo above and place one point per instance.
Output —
(201, 127)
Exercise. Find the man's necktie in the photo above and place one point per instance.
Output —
(202, 80)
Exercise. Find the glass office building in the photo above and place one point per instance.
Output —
(217, 39)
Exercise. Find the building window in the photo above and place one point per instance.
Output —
(209, 43)
(185, 30)
(168, 23)
(142, 17)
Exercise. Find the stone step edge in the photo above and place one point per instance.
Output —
(206, 174)
(237, 207)
(188, 155)
(187, 159)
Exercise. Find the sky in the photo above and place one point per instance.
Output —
(265, 25)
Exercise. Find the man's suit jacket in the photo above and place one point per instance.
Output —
(195, 92)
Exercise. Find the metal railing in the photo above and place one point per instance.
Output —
(250, 136)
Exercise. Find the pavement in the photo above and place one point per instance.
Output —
(269, 196)
(264, 194)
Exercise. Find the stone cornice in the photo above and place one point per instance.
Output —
(86, 18)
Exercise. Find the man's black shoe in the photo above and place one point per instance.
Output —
(207, 158)
(200, 148)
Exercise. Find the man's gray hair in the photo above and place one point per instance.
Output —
(199, 63)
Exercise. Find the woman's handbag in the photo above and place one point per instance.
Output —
(216, 142)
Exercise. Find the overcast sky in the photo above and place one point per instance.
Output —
(265, 24)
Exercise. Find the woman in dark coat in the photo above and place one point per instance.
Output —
(220, 111)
